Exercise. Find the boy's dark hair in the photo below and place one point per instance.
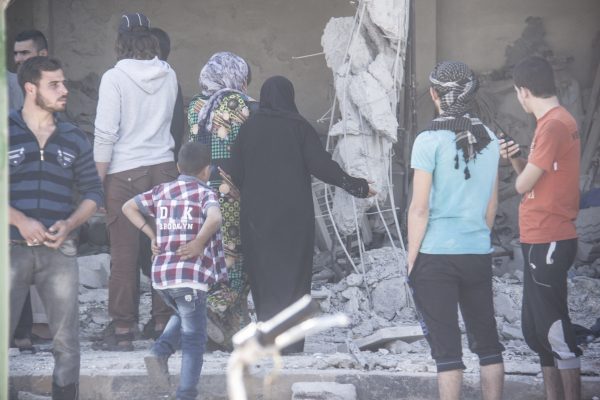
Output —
(38, 39)
(137, 44)
(164, 42)
(31, 69)
(535, 73)
(193, 158)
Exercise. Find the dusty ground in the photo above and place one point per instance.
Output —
(327, 350)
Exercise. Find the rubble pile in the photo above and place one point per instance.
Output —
(387, 303)
(377, 300)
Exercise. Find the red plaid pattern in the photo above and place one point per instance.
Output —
(179, 209)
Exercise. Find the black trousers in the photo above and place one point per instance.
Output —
(443, 282)
(546, 324)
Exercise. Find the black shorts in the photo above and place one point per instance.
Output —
(546, 324)
(441, 283)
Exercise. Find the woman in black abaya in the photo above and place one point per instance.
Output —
(273, 159)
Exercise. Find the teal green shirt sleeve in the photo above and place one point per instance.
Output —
(423, 152)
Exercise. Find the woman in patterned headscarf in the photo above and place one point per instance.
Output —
(215, 116)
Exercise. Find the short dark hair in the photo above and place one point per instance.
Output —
(164, 42)
(193, 158)
(137, 45)
(31, 69)
(536, 74)
(38, 39)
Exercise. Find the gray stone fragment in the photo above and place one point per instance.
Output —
(323, 391)
(389, 297)
(505, 307)
(370, 97)
(335, 40)
(389, 16)
(354, 280)
(512, 332)
(399, 347)
(409, 334)
(94, 270)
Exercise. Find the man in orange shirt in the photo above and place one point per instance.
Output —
(549, 183)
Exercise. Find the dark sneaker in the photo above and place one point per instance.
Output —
(158, 371)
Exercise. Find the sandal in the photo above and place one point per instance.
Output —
(115, 342)
(25, 345)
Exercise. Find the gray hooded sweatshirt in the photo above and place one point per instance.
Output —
(133, 118)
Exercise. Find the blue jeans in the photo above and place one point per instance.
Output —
(187, 327)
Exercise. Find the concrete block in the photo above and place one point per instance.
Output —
(512, 332)
(389, 297)
(389, 16)
(335, 41)
(94, 270)
(408, 334)
(372, 100)
(504, 306)
(323, 391)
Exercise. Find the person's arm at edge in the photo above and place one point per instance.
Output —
(528, 178)
(106, 125)
(418, 214)
(135, 216)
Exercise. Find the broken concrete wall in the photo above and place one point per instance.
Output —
(366, 55)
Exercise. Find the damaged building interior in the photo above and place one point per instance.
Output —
(360, 69)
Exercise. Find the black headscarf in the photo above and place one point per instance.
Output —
(277, 98)
(456, 85)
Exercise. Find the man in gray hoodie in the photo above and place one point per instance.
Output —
(133, 150)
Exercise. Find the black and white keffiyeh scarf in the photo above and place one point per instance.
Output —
(456, 85)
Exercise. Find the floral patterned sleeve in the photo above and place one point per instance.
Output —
(195, 105)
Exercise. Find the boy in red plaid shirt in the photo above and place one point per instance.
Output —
(189, 257)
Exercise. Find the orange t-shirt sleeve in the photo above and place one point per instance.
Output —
(548, 144)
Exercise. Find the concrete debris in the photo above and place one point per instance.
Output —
(399, 347)
(373, 101)
(366, 97)
(385, 274)
(389, 296)
(386, 335)
(335, 42)
(323, 391)
(94, 270)
(588, 231)
(360, 155)
(511, 332)
(390, 16)
(505, 307)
